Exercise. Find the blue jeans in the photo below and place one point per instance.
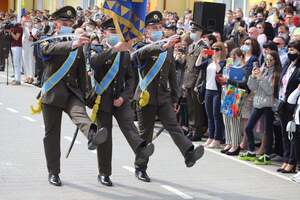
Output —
(215, 120)
(254, 117)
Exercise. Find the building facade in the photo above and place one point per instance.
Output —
(161, 5)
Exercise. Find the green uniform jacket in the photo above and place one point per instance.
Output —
(123, 84)
(73, 83)
(164, 87)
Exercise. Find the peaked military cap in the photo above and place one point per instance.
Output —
(108, 24)
(170, 27)
(196, 27)
(65, 13)
(154, 17)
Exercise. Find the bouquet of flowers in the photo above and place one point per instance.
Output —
(232, 101)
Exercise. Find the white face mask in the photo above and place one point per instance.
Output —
(89, 29)
(27, 24)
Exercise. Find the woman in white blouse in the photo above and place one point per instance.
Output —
(295, 100)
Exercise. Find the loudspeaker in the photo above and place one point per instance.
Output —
(210, 16)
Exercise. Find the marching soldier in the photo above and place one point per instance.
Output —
(196, 110)
(157, 94)
(113, 65)
(64, 90)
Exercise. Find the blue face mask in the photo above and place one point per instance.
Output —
(51, 24)
(64, 30)
(237, 62)
(156, 35)
(282, 50)
(96, 47)
(194, 36)
(245, 48)
(113, 39)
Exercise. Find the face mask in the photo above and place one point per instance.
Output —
(260, 20)
(89, 29)
(96, 47)
(27, 24)
(156, 35)
(285, 36)
(179, 26)
(293, 56)
(51, 24)
(278, 5)
(64, 30)
(237, 62)
(281, 50)
(238, 18)
(245, 48)
(194, 36)
(113, 39)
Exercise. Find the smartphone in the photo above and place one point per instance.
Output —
(208, 52)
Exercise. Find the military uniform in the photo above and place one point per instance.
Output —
(123, 85)
(67, 95)
(196, 111)
(164, 93)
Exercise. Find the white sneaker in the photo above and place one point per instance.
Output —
(297, 175)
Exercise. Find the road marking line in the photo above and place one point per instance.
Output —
(94, 151)
(12, 110)
(70, 139)
(169, 188)
(29, 118)
(252, 165)
(130, 169)
(177, 192)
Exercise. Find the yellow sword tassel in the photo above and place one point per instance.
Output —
(38, 109)
(144, 98)
(95, 108)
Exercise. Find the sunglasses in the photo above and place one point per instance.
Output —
(277, 43)
(216, 49)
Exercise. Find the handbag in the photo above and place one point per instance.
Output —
(291, 128)
(232, 101)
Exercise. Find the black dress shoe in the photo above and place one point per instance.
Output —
(224, 150)
(292, 171)
(279, 169)
(196, 137)
(142, 175)
(191, 157)
(234, 153)
(54, 179)
(96, 138)
(145, 151)
(105, 180)
(190, 134)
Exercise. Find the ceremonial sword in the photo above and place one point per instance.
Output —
(132, 54)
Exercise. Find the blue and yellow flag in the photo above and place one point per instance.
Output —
(129, 17)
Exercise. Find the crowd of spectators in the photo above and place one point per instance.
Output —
(257, 56)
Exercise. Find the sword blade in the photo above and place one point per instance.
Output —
(72, 143)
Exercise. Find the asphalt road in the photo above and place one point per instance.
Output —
(23, 173)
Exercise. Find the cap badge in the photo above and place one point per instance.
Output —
(69, 12)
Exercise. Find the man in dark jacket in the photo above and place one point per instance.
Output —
(196, 111)
(67, 94)
(115, 99)
(158, 94)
